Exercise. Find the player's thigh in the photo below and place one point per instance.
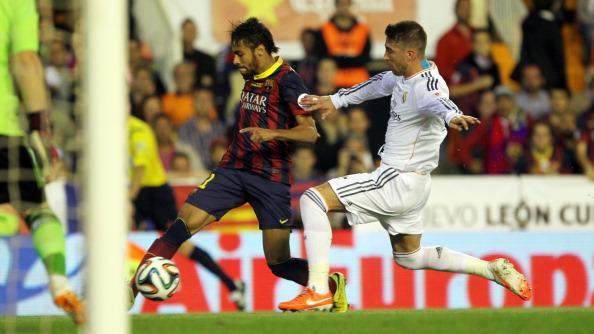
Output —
(330, 198)
(222, 191)
(270, 200)
(405, 243)
(276, 245)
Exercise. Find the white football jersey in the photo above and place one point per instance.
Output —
(419, 111)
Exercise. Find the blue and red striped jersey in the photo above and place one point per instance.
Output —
(268, 100)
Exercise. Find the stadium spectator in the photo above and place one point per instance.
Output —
(59, 71)
(306, 66)
(559, 106)
(585, 145)
(542, 44)
(305, 176)
(325, 77)
(139, 56)
(474, 74)
(533, 97)
(353, 157)
(150, 107)
(142, 85)
(502, 138)
(486, 109)
(542, 156)
(564, 126)
(348, 42)
(358, 124)
(456, 43)
(168, 145)
(200, 131)
(179, 105)
(204, 64)
(181, 165)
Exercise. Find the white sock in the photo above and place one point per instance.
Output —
(318, 238)
(58, 284)
(444, 259)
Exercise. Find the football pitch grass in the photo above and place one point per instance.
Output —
(507, 321)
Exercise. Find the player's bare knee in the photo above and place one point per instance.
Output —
(195, 218)
(411, 260)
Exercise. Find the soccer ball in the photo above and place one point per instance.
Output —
(157, 278)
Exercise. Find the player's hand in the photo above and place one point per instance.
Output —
(258, 135)
(314, 103)
(463, 122)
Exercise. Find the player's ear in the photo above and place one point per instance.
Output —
(412, 54)
(260, 50)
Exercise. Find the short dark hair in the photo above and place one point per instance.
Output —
(253, 33)
(187, 20)
(409, 33)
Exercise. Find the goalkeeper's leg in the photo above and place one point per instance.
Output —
(48, 238)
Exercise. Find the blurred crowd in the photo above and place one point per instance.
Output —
(527, 71)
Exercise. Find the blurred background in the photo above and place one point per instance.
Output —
(519, 185)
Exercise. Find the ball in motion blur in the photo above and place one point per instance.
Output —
(158, 278)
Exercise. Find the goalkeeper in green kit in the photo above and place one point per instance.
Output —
(25, 157)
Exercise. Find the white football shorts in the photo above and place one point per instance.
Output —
(392, 198)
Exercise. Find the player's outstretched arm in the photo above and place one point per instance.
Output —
(305, 131)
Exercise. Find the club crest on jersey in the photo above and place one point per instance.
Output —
(395, 116)
(404, 96)
(268, 85)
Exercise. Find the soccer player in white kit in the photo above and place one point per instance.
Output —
(396, 192)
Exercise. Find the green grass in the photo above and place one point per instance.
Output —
(484, 321)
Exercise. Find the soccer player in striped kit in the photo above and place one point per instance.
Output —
(396, 192)
(256, 167)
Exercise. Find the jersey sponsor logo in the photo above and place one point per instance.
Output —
(254, 102)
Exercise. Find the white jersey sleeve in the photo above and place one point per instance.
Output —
(437, 103)
(378, 86)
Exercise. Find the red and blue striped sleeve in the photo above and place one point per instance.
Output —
(291, 86)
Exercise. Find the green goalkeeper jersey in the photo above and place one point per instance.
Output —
(19, 24)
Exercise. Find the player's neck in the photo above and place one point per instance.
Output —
(413, 69)
(267, 63)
